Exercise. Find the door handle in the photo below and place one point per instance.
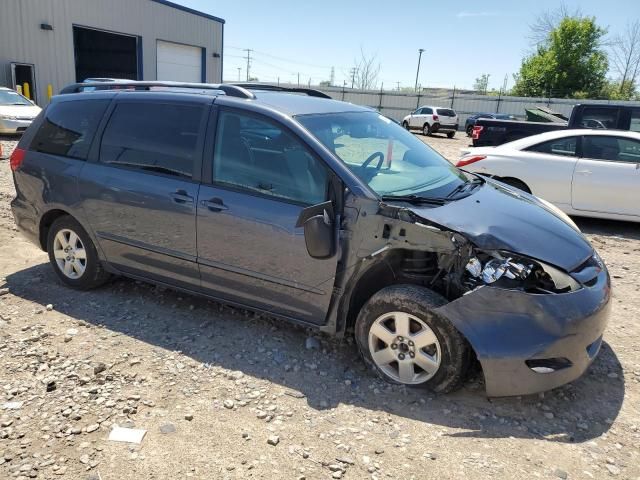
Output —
(585, 172)
(181, 196)
(215, 204)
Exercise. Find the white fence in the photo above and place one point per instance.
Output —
(397, 104)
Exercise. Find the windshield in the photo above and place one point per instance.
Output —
(389, 159)
(9, 97)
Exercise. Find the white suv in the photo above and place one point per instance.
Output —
(431, 120)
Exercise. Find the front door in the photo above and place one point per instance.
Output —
(249, 249)
(607, 177)
(416, 120)
(140, 197)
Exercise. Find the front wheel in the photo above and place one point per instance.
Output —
(73, 256)
(426, 129)
(406, 125)
(406, 342)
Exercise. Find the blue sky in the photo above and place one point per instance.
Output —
(462, 39)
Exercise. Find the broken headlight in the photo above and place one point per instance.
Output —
(507, 270)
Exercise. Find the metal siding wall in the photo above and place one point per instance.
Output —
(22, 40)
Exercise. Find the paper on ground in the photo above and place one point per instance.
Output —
(129, 435)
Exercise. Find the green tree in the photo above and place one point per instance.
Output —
(570, 63)
(481, 83)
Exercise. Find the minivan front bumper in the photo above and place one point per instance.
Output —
(529, 343)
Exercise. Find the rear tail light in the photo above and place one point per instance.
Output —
(436, 118)
(467, 161)
(476, 132)
(17, 158)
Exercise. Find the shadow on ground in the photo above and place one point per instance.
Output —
(608, 228)
(263, 348)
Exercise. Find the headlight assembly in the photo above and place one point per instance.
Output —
(509, 270)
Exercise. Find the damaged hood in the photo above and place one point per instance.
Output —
(497, 217)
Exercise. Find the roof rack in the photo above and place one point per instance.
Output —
(230, 90)
(276, 88)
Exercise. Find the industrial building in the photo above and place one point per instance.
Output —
(47, 44)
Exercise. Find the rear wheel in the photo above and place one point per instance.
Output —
(451, 134)
(514, 182)
(469, 130)
(73, 256)
(426, 129)
(406, 342)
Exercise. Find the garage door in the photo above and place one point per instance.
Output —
(180, 63)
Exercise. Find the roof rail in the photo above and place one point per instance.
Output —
(276, 88)
(230, 90)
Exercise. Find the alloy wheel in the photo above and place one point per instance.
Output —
(404, 347)
(70, 254)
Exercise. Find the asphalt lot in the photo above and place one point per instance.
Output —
(224, 393)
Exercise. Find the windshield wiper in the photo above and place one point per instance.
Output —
(414, 199)
(469, 184)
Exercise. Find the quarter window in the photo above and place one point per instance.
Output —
(159, 137)
(611, 148)
(561, 146)
(259, 156)
(635, 120)
(68, 128)
(598, 117)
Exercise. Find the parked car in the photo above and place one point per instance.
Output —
(432, 120)
(16, 111)
(592, 173)
(319, 212)
(489, 132)
(471, 120)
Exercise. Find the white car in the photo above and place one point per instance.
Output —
(432, 120)
(16, 112)
(591, 173)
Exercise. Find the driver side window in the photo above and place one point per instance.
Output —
(256, 154)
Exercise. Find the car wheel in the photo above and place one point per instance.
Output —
(73, 256)
(451, 134)
(406, 125)
(406, 342)
(514, 182)
(469, 130)
(426, 129)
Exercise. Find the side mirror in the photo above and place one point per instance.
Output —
(319, 231)
(318, 236)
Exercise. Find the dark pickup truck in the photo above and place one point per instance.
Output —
(490, 132)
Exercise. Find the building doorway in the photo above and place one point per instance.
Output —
(22, 73)
(101, 54)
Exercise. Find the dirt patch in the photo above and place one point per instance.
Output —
(224, 393)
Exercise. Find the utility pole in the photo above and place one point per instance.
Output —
(418, 71)
(333, 76)
(353, 72)
(239, 70)
(398, 83)
(486, 85)
(298, 79)
(248, 50)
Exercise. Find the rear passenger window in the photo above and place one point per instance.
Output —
(154, 137)
(68, 128)
(561, 146)
(599, 117)
(259, 156)
(635, 120)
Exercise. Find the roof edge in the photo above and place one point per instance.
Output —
(189, 10)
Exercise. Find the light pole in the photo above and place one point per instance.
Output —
(418, 71)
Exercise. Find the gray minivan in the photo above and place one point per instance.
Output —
(318, 212)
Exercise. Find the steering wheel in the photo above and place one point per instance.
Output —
(371, 158)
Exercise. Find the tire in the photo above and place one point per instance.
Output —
(406, 126)
(85, 270)
(469, 130)
(447, 357)
(426, 129)
(451, 134)
(514, 182)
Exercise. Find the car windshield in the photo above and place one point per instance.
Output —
(389, 159)
(9, 97)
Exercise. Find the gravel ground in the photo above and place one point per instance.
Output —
(223, 393)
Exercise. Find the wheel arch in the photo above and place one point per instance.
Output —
(45, 224)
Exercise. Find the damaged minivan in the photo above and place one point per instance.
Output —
(319, 212)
